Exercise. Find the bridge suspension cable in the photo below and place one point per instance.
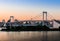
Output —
(37, 17)
(40, 16)
(51, 17)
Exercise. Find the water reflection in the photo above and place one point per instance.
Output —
(30, 36)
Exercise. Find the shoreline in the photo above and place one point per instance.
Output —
(30, 28)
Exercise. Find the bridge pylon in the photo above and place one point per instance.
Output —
(44, 17)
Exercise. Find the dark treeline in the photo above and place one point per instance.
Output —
(30, 28)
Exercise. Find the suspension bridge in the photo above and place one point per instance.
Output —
(43, 18)
(33, 24)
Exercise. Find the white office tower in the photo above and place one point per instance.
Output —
(11, 18)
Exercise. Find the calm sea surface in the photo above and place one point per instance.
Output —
(30, 36)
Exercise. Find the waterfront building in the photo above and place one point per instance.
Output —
(1, 24)
(56, 24)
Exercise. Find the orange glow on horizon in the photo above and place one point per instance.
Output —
(25, 15)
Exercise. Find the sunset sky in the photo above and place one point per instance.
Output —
(26, 9)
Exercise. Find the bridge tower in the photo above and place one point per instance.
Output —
(44, 14)
(11, 18)
(44, 17)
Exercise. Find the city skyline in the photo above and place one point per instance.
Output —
(27, 9)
